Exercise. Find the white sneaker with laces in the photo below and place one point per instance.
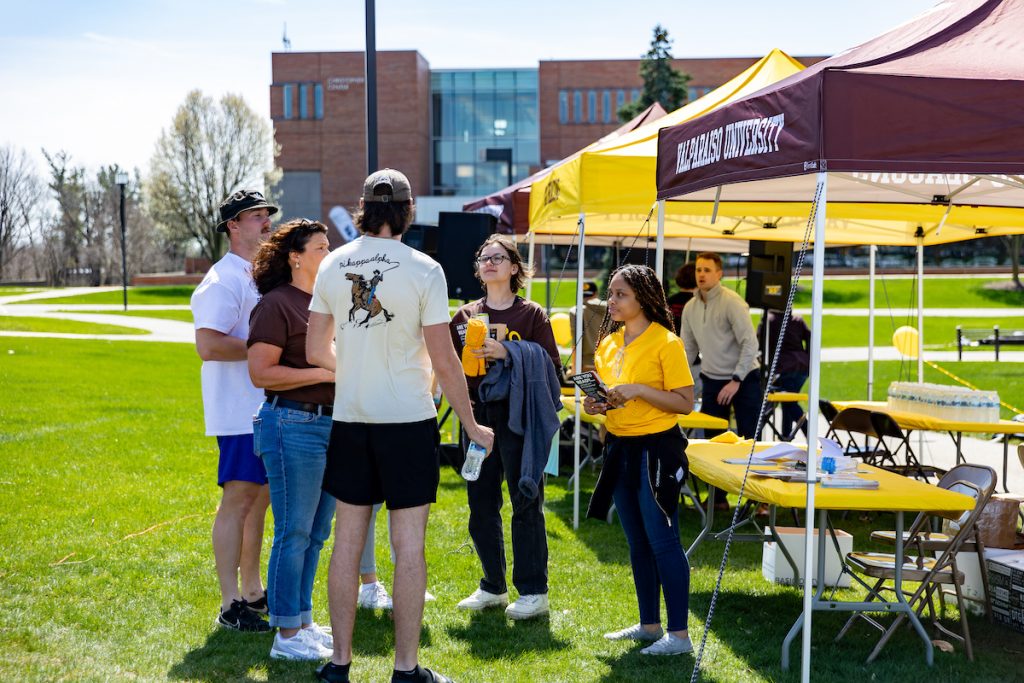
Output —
(481, 599)
(321, 635)
(528, 606)
(301, 646)
(669, 644)
(374, 596)
(635, 632)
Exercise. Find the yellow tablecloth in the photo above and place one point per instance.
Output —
(894, 492)
(786, 397)
(695, 420)
(934, 424)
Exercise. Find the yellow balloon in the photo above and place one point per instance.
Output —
(905, 340)
(561, 329)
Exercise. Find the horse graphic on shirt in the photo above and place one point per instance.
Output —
(364, 297)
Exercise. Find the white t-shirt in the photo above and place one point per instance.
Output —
(223, 302)
(381, 294)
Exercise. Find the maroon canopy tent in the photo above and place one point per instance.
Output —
(513, 202)
(942, 94)
(923, 123)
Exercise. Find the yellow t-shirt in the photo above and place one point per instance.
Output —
(655, 358)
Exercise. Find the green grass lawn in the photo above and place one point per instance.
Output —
(184, 316)
(108, 574)
(17, 323)
(157, 294)
(12, 291)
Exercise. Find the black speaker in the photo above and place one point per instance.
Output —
(422, 238)
(769, 274)
(459, 235)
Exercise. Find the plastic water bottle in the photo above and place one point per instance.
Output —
(475, 455)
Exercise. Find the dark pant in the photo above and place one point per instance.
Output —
(655, 553)
(746, 403)
(529, 537)
(791, 410)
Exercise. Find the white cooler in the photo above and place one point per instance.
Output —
(775, 568)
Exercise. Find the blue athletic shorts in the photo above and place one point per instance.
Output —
(238, 460)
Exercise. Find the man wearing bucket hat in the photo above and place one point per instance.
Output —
(386, 307)
(220, 306)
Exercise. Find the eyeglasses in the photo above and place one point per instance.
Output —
(495, 260)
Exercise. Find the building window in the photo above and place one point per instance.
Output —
(606, 105)
(289, 100)
(634, 95)
(304, 101)
(318, 101)
(577, 107)
(592, 106)
(563, 106)
(620, 100)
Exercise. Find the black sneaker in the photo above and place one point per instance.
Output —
(420, 674)
(239, 618)
(333, 673)
(259, 606)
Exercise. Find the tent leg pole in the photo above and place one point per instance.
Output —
(812, 422)
(920, 333)
(871, 321)
(659, 258)
(577, 368)
(529, 282)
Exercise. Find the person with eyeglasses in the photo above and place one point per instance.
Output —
(643, 363)
(502, 273)
(221, 305)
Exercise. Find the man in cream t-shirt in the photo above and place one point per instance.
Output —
(386, 306)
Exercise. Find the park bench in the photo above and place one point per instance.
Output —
(994, 337)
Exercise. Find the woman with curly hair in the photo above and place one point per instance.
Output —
(291, 431)
(643, 363)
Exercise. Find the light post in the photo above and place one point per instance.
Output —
(122, 181)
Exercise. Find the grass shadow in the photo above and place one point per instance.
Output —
(491, 635)
(226, 655)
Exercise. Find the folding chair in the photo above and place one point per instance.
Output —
(892, 442)
(977, 481)
(854, 422)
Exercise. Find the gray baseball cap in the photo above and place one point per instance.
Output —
(387, 185)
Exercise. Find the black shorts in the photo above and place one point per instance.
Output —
(395, 464)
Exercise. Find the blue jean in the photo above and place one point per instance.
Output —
(293, 445)
(655, 552)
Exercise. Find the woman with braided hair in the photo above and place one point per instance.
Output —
(644, 365)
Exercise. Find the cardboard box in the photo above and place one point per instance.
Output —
(775, 568)
(973, 588)
(1006, 580)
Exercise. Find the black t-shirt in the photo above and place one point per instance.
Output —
(280, 319)
(676, 302)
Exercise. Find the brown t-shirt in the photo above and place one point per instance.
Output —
(280, 319)
(523, 320)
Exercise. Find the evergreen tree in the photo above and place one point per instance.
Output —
(662, 82)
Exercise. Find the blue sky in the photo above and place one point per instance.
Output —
(101, 78)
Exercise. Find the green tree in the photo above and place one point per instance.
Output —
(210, 150)
(662, 82)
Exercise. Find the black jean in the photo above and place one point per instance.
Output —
(529, 536)
(746, 403)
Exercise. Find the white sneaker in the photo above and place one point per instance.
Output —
(669, 644)
(374, 596)
(481, 599)
(301, 646)
(635, 632)
(321, 635)
(528, 606)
